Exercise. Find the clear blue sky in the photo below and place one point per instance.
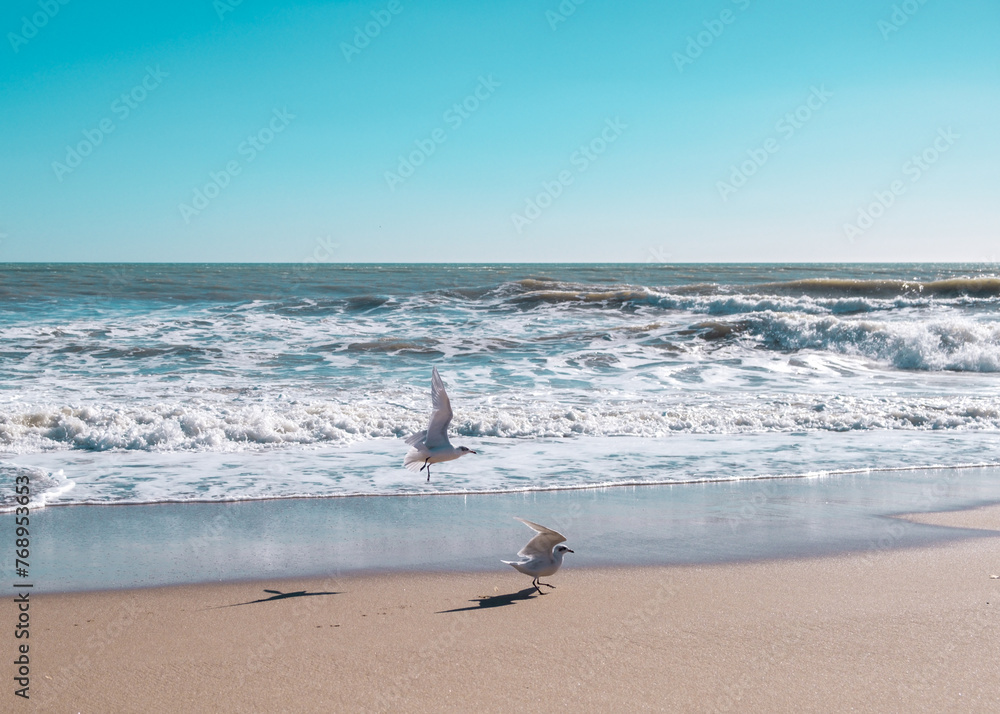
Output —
(663, 121)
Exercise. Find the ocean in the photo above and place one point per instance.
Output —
(144, 384)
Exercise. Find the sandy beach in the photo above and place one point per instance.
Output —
(884, 630)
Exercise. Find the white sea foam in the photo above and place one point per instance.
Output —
(43, 487)
(201, 426)
(958, 344)
(372, 467)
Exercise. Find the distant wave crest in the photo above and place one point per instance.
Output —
(959, 344)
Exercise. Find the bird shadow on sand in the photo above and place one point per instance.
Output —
(276, 595)
(495, 601)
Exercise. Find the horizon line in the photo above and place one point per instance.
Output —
(515, 262)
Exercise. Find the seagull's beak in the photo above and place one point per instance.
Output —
(569, 551)
(472, 451)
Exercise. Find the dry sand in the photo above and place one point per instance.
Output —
(887, 630)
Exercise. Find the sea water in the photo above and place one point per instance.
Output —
(141, 384)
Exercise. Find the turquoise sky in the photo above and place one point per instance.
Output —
(508, 131)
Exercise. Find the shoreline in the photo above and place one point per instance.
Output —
(103, 548)
(369, 468)
(895, 629)
(534, 489)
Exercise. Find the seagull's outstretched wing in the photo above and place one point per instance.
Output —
(437, 429)
(414, 439)
(541, 544)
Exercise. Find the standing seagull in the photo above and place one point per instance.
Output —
(542, 556)
(431, 446)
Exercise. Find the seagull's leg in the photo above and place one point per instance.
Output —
(428, 471)
(546, 585)
(535, 583)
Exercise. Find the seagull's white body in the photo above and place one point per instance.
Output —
(431, 446)
(542, 556)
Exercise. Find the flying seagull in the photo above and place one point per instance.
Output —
(542, 556)
(431, 446)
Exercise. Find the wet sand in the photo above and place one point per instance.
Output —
(914, 629)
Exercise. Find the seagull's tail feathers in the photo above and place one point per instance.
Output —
(415, 438)
(414, 459)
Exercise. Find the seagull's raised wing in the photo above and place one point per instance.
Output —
(541, 544)
(437, 429)
(414, 439)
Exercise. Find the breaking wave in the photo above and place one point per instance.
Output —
(209, 427)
